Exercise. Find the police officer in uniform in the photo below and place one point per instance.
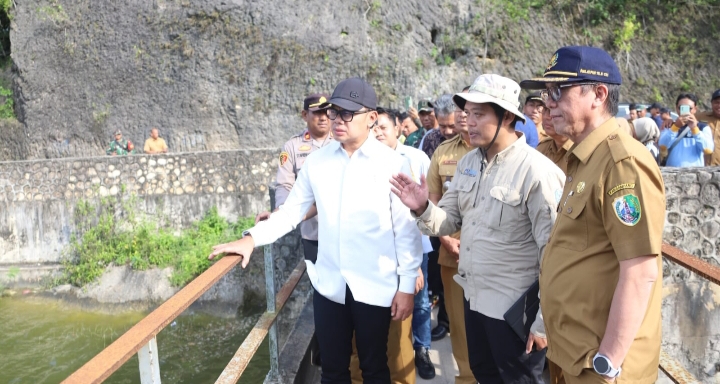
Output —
(316, 135)
(600, 280)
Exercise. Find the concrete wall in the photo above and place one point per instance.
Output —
(38, 198)
(691, 305)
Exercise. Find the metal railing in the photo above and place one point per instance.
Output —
(141, 339)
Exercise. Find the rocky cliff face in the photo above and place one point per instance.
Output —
(227, 74)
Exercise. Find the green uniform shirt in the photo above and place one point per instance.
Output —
(414, 138)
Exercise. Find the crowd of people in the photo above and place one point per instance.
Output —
(121, 146)
(692, 139)
(538, 226)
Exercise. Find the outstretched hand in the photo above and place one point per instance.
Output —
(242, 248)
(414, 196)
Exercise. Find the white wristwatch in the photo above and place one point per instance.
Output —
(603, 366)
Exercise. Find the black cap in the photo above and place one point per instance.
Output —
(535, 96)
(715, 95)
(575, 64)
(353, 94)
(313, 102)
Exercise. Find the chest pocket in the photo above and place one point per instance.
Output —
(465, 186)
(506, 214)
(571, 232)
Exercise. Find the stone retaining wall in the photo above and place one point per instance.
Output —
(691, 305)
(693, 211)
(174, 174)
(37, 198)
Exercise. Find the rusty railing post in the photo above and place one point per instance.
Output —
(272, 375)
(149, 363)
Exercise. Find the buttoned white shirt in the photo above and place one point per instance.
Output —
(367, 238)
(419, 165)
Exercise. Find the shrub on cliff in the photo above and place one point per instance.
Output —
(111, 234)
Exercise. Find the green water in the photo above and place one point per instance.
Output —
(41, 342)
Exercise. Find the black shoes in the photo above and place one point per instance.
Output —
(425, 367)
(439, 332)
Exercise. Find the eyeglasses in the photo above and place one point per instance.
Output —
(555, 93)
(345, 115)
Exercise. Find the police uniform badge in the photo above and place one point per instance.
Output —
(627, 209)
(304, 148)
(284, 156)
(307, 136)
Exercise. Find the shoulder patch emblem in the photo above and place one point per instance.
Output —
(627, 209)
(304, 148)
(620, 188)
(284, 156)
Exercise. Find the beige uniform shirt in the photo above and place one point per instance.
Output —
(292, 157)
(442, 169)
(612, 209)
(155, 145)
(714, 124)
(506, 208)
(549, 148)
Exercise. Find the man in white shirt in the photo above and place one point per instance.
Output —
(369, 247)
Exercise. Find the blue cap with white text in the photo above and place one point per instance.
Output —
(577, 64)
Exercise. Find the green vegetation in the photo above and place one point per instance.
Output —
(596, 12)
(624, 36)
(7, 110)
(111, 234)
(54, 11)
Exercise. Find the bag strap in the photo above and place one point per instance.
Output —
(677, 140)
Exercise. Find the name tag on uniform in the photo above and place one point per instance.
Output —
(450, 162)
(469, 172)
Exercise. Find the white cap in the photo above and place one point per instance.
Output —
(496, 89)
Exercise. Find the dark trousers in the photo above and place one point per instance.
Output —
(334, 326)
(310, 248)
(496, 353)
(435, 281)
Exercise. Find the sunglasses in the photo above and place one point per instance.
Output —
(555, 93)
(345, 115)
